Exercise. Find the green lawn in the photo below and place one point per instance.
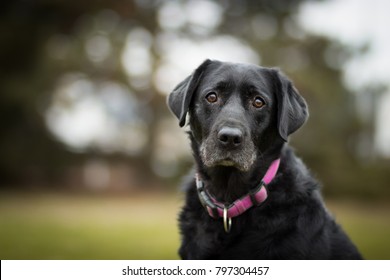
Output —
(57, 226)
(367, 224)
(82, 227)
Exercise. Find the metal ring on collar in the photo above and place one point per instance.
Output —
(227, 222)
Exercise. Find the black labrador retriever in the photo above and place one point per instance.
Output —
(250, 197)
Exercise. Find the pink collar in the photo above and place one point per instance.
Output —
(255, 197)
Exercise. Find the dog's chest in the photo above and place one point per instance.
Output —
(203, 237)
(214, 243)
(206, 239)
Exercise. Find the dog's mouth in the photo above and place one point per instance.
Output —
(227, 162)
(231, 163)
(242, 159)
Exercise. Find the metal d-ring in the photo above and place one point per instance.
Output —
(227, 222)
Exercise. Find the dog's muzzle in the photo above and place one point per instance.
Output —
(228, 146)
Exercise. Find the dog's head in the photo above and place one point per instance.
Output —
(237, 111)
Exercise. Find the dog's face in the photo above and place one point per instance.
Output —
(237, 111)
(229, 112)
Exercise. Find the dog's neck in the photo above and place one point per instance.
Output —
(229, 183)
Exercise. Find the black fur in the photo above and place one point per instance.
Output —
(293, 222)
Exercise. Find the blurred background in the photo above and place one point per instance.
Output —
(90, 156)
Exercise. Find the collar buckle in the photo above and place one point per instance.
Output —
(254, 192)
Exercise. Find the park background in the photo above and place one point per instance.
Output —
(91, 158)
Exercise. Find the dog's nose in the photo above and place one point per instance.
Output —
(230, 137)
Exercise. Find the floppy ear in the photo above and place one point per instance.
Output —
(180, 98)
(291, 107)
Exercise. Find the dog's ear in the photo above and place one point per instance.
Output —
(180, 98)
(292, 110)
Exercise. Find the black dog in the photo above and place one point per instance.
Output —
(241, 203)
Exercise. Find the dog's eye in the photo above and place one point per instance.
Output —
(212, 97)
(258, 102)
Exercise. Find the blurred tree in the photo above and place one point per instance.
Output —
(117, 46)
(27, 149)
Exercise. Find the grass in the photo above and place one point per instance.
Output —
(58, 226)
(80, 227)
(367, 224)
